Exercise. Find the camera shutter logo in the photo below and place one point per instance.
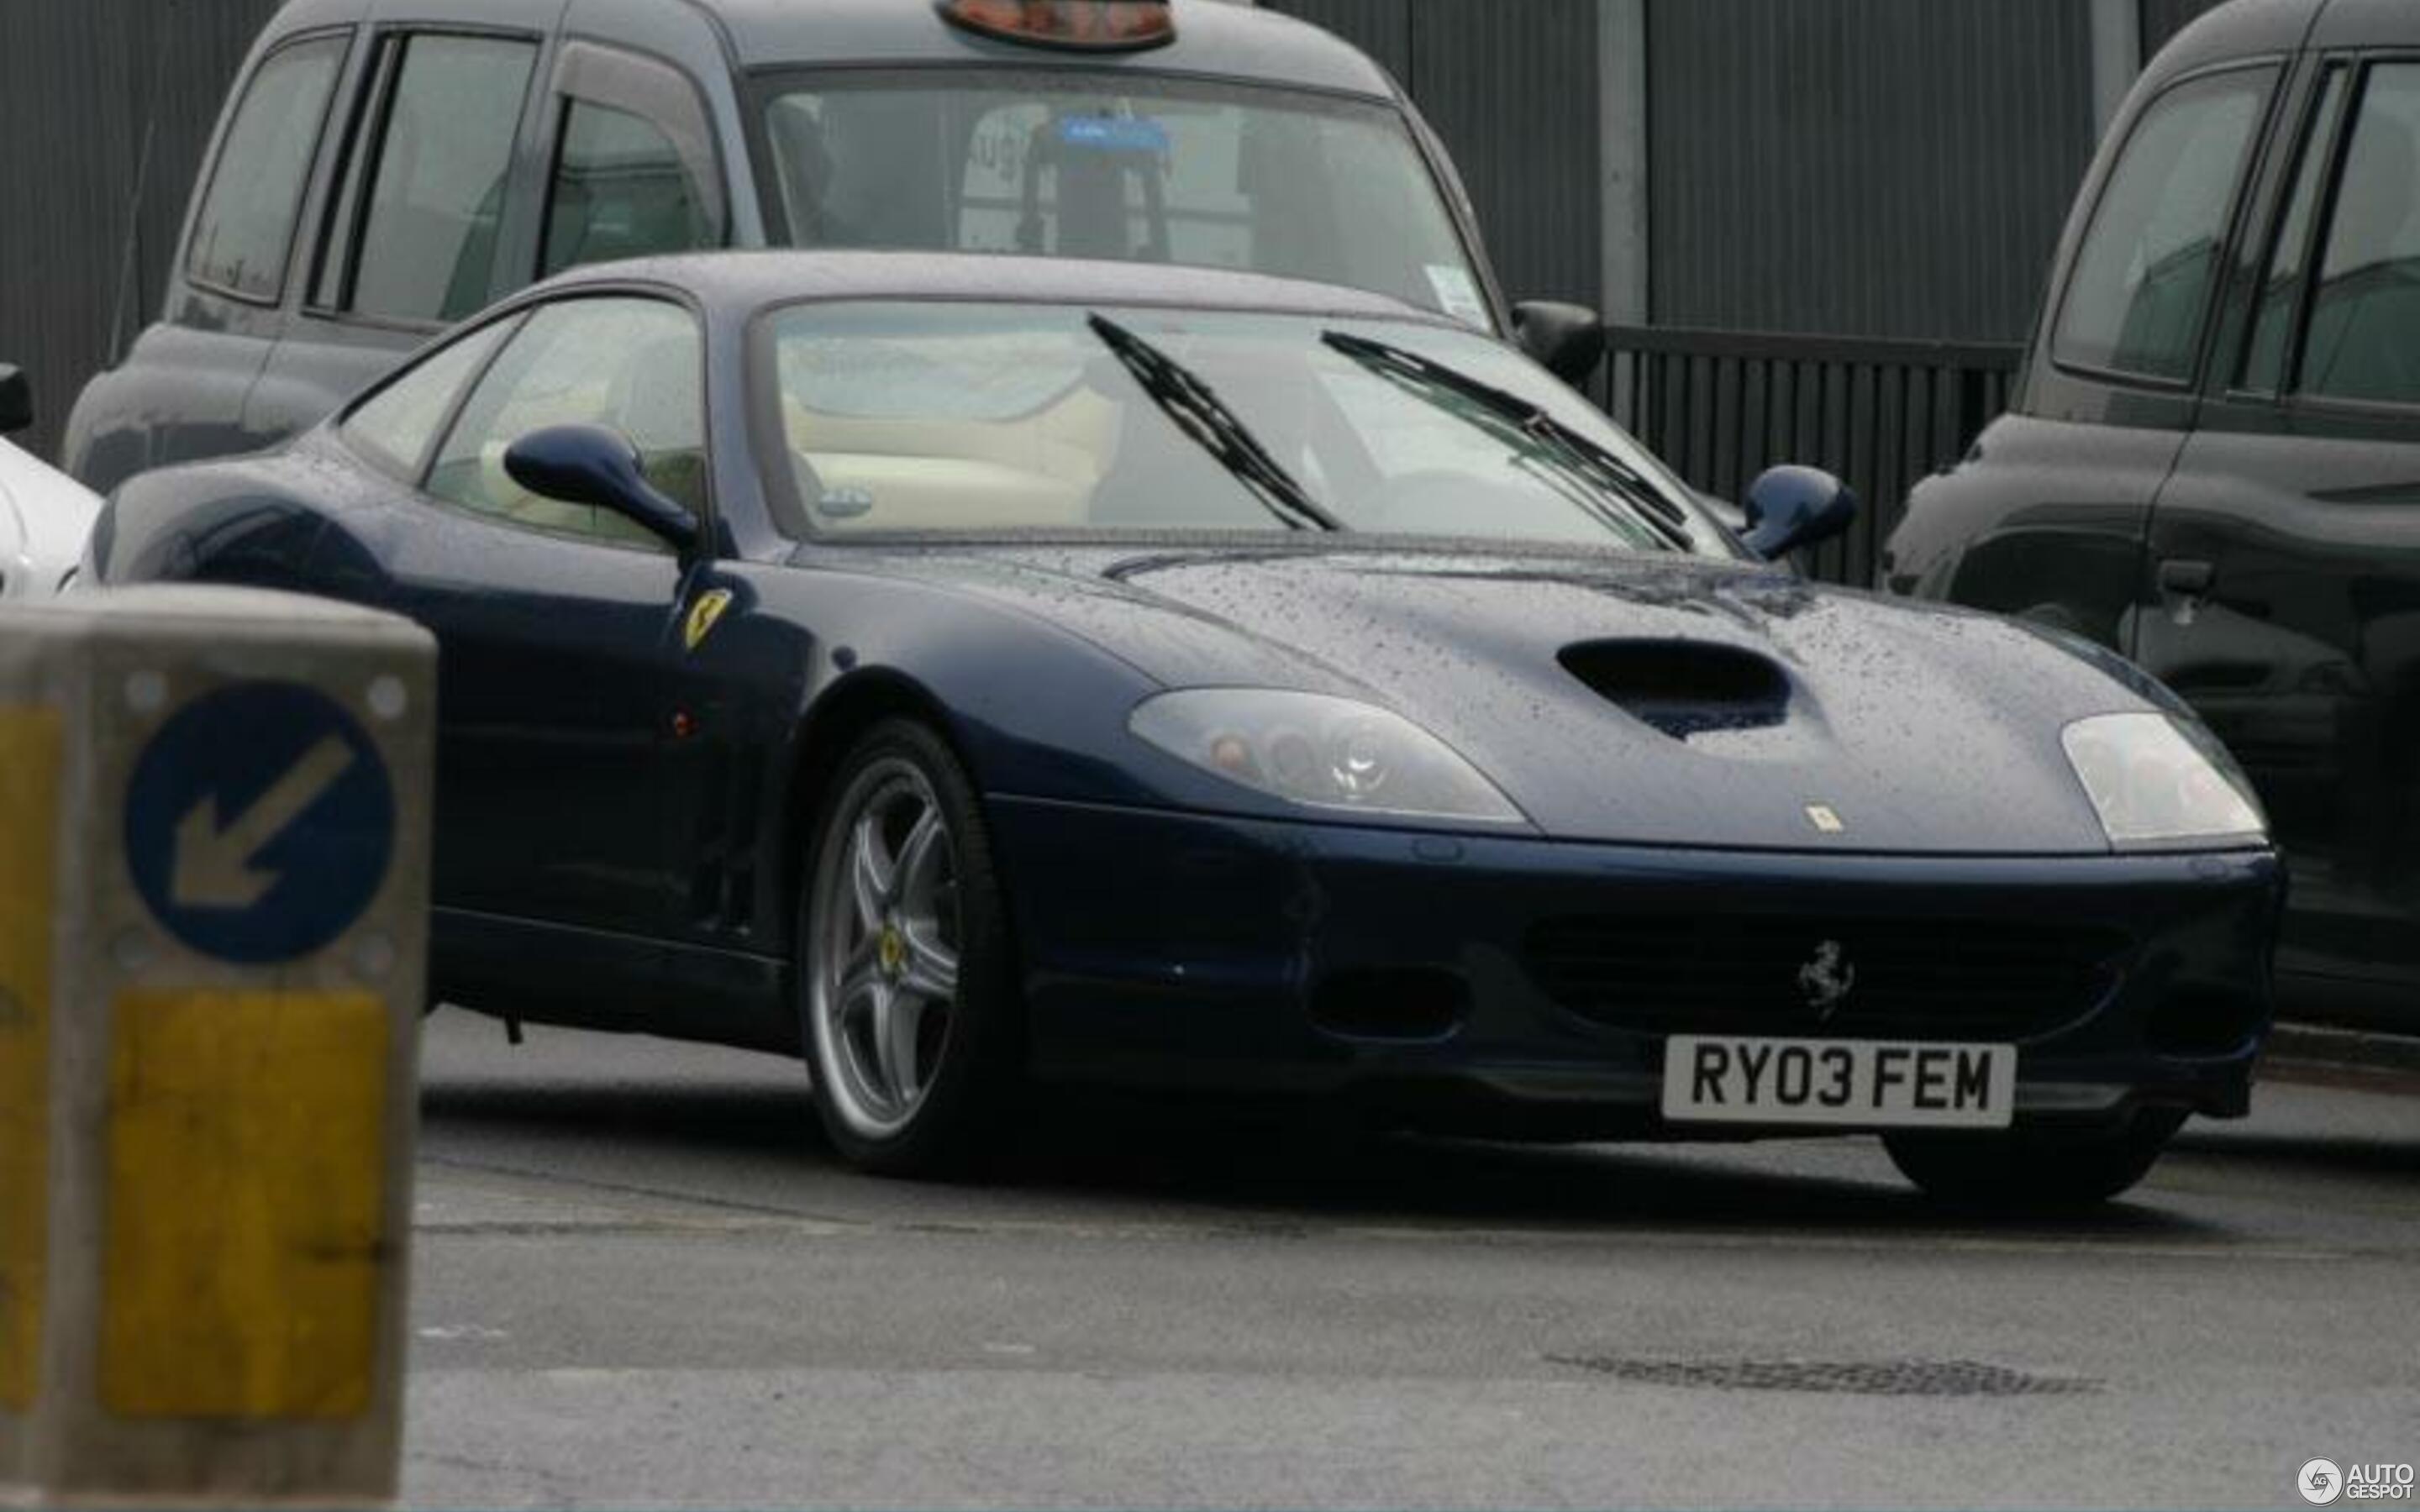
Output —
(2321, 1482)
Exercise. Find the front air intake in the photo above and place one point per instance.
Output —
(1684, 688)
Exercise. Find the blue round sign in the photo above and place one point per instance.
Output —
(259, 823)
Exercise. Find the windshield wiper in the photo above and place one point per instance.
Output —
(1198, 412)
(1425, 375)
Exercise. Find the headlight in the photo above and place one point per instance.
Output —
(2157, 780)
(1321, 751)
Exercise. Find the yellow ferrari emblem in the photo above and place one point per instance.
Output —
(892, 949)
(705, 615)
(1825, 819)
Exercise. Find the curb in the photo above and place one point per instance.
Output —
(2314, 1046)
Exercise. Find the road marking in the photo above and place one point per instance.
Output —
(724, 1217)
(213, 866)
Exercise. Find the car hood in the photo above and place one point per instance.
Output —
(1655, 701)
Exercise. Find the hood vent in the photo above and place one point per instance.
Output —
(1684, 688)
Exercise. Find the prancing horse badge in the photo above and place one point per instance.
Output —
(705, 615)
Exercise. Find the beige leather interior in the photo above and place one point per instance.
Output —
(938, 474)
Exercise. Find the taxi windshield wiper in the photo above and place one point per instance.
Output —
(1198, 412)
(1525, 425)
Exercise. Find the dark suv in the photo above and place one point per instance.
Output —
(385, 167)
(2212, 462)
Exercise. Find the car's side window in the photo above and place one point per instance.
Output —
(635, 172)
(2281, 289)
(396, 427)
(245, 226)
(2363, 338)
(634, 365)
(2140, 295)
(620, 191)
(436, 196)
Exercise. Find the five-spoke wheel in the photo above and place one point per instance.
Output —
(905, 1007)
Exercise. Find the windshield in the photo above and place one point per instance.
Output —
(1126, 166)
(971, 418)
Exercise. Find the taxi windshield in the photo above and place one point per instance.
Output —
(1127, 166)
(962, 418)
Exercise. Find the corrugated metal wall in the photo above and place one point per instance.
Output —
(81, 83)
(1512, 88)
(1893, 168)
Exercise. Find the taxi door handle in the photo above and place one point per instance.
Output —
(2184, 585)
(2188, 579)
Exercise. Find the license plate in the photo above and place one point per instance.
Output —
(1871, 1084)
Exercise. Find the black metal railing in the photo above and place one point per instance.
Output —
(1722, 406)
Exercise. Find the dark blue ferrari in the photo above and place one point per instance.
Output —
(983, 673)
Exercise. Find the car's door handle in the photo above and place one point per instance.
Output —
(2190, 579)
(2184, 585)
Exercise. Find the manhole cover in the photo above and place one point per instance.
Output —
(1868, 1378)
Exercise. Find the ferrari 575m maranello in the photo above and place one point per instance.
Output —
(979, 675)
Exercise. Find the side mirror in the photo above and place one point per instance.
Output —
(1567, 340)
(16, 400)
(1793, 507)
(592, 465)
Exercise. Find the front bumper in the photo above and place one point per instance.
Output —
(1187, 950)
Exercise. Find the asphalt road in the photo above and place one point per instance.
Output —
(641, 1279)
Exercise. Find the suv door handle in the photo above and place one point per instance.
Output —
(2184, 585)
(2190, 579)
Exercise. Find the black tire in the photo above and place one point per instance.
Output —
(2034, 1170)
(968, 1070)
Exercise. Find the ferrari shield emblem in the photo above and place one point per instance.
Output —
(1825, 819)
(705, 615)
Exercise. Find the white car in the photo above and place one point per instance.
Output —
(44, 515)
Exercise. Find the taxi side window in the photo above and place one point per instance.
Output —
(2140, 294)
(245, 226)
(396, 427)
(633, 365)
(635, 172)
(2281, 291)
(2361, 341)
(427, 249)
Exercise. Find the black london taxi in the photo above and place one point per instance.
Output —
(2212, 462)
(385, 167)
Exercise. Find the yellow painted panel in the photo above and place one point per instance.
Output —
(247, 1191)
(29, 825)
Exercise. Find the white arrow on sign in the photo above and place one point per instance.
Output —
(214, 865)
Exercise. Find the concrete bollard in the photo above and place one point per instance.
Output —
(214, 813)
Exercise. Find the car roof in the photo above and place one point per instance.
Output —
(2240, 29)
(2259, 29)
(1218, 39)
(748, 281)
(1214, 39)
(2367, 24)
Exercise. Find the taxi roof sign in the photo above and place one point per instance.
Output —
(1085, 25)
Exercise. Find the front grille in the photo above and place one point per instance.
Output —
(1906, 979)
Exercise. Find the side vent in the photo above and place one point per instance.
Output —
(1683, 687)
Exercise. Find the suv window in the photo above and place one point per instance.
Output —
(397, 426)
(633, 365)
(246, 225)
(620, 189)
(2281, 291)
(2141, 290)
(427, 242)
(2364, 338)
